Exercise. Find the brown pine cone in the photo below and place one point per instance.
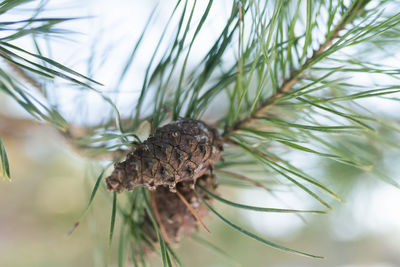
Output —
(172, 213)
(183, 150)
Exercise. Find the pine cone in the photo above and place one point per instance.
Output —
(174, 215)
(183, 150)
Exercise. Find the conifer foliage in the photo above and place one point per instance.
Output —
(284, 71)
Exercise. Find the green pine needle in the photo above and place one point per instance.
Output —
(269, 243)
(237, 205)
(5, 167)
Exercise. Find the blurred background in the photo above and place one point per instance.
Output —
(52, 183)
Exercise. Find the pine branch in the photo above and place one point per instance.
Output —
(296, 75)
(268, 56)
